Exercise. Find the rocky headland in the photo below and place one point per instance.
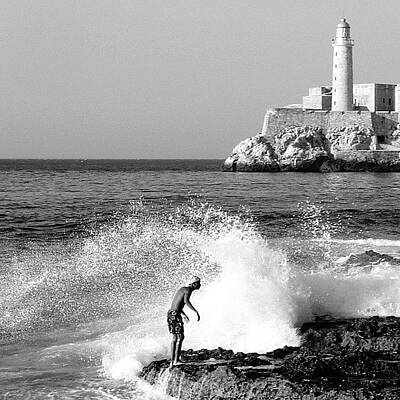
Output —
(311, 148)
(337, 359)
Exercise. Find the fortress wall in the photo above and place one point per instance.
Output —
(277, 119)
(385, 97)
(341, 119)
(397, 98)
(384, 122)
(317, 102)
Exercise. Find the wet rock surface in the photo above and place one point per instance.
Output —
(337, 359)
(370, 257)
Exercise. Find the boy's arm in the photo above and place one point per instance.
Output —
(186, 318)
(190, 305)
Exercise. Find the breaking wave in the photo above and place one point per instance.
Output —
(255, 293)
(253, 298)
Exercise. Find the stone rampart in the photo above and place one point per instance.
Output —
(384, 122)
(342, 119)
(277, 119)
(294, 139)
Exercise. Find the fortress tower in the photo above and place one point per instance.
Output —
(342, 78)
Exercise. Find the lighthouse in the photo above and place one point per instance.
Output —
(342, 77)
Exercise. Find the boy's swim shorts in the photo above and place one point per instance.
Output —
(175, 323)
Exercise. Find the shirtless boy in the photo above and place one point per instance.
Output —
(174, 317)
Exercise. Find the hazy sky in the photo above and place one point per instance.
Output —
(169, 78)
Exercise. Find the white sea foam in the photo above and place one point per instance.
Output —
(245, 304)
(253, 299)
(248, 306)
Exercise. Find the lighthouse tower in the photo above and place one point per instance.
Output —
(342, 78)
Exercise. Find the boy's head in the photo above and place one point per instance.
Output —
(194, 283)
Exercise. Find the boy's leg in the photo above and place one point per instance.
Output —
(179, 342)
(173, 348)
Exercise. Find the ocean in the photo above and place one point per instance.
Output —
(93, 250)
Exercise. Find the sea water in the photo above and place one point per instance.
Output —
(92, 252)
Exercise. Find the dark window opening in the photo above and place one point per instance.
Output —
(335, 78)
(334, 103)
(390, 102)
(381, 139)
(383, 100)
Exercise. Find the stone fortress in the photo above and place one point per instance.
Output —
(343, 127)
(343, 95)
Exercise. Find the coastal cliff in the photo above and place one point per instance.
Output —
(320, 141)
(308, 148)
(337, 359)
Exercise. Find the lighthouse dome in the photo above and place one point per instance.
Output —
(343, 24)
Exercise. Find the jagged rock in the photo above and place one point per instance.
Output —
(301, 148)
(355, 161)
(370, 257)
(306, 148)
(337, 359)
(350, 138)
(252, 154)
(295, 149)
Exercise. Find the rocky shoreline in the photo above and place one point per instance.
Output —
(337, 359)
(309, 149)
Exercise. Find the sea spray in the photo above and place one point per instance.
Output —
(243, 301)
(247, 307)
(253, 299)
(115, 271)
(255, 292)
